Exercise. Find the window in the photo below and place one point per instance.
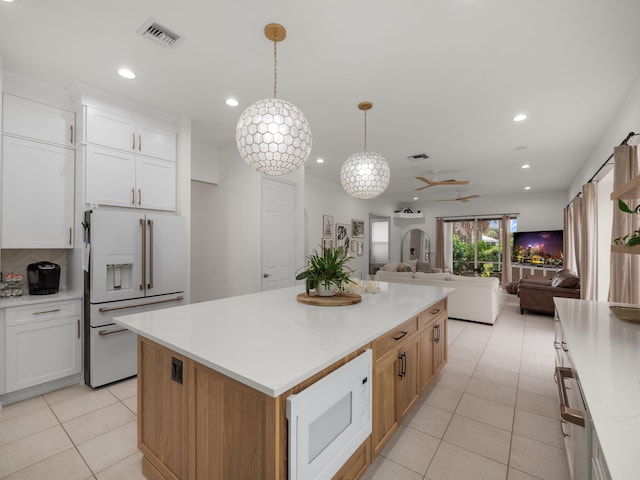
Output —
(379, 247)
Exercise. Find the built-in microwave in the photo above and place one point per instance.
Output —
(329, 420)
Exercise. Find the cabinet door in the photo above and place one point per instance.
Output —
(37, 195)
(440, 344)
(156, 184)
(408, 381)
(385, 413)
(42, 351)
(110, 177)
(27, 118)
(427, 370)
(156, 142)
(110, 130)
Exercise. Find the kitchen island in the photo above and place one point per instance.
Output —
(213, 377)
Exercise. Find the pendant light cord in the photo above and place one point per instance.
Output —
(365, 130)
(275, 69)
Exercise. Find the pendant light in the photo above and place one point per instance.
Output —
(273, 135)
(365, 175)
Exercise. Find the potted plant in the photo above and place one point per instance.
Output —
(326, 272)
(633, 238)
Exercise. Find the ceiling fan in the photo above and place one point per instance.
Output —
(459, 199)
(434, 183)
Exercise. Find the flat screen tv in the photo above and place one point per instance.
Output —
(543, 247)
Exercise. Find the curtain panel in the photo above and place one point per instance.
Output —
(506, 250)
(624, 283)
(569, 254)
(588, 260)
(440, 243)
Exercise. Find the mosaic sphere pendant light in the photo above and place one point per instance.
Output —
(365, 175)
(273, 135)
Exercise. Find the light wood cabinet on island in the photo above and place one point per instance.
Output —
(196, 423)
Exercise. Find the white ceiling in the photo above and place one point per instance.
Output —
(446, 77)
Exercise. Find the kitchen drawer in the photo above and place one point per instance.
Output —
(394, 337)
(432, 312)
(42, 311)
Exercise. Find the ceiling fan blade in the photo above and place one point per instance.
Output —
(454, 182)
(467, 198)
(422, 188)
(423, 179)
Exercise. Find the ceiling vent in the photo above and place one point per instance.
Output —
(419, 156)
(159, 34)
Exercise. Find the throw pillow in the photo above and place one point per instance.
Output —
(412, 264)
(424, 267)
(565, 279)
(403, 267)
(390, 267)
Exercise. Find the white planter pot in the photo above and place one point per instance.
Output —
(326, 292)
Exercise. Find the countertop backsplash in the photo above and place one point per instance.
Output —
(16, 261)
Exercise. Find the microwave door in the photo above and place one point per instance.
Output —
(166, 254)
(116, 264)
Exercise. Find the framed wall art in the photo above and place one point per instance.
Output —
(342, 236)
(357, 228)
(328, 227)
(360, 248)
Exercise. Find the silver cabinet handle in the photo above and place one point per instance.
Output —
(139, 142)
(103, 333)
(78, 328)
(144, 254)
(71, 134)
(70, 236)
(145, 304)
(139, 197)
(46, 311)
(150, 223)
(133, 140)
(435, 312)
(567, 413)
(133, 196)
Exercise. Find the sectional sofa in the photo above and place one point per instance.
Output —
(475, 298)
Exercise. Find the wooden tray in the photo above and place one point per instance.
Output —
(338, 300)
(630, 314)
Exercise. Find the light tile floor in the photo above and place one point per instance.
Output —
(492, 414)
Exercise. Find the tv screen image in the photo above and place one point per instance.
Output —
(543, 247)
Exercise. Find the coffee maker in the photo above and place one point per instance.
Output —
(44, 278)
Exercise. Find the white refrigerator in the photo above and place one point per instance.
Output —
(137, 263)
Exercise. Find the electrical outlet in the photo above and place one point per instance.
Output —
(176, 370)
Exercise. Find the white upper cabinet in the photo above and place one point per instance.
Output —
(128, 134)
(123, 179)
(30, 119)
(37, 194)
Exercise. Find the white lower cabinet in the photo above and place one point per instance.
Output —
(123, 179)
(43, 343)
(37, 194)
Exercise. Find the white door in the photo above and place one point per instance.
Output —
(278, 234)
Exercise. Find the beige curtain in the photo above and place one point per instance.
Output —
(440, 243)
(588, 260)
(624, 284)
(569, 253)
(506, 250)
(577, 233)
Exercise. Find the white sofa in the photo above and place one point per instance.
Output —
(474, 298)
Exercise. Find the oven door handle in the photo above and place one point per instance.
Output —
(567, 413)
(103, 333)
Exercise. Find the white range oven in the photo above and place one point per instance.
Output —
(329, 420)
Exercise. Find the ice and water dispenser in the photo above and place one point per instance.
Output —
(119, 272)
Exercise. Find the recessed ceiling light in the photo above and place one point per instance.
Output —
(232, 102)
(320, 160)
(126, 73)
(520, 117)
(415, 198)
(527, 188)
(521, 147)
(526, 165)
(10, 1)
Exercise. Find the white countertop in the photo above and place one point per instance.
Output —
(270, 341)
(605, 352)
(33, 299)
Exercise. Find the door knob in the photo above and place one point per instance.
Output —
(266, 275)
